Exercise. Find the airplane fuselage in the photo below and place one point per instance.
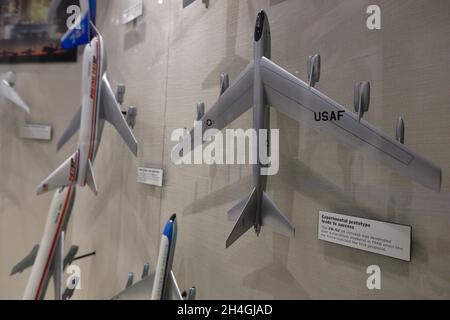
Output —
(91, 126)
(261, 111)
(57, 220)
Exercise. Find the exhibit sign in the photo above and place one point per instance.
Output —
(36, 132)
(153, 177)
(384, 238)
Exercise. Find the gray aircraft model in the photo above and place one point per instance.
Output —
(263, 84)
(7, 91)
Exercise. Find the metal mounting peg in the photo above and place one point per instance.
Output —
(130, 280)
(224, 83)
(192, 293)
(145, 271)
(131, 116)
(200, 111)
(400, 131)
(362, 98)
(313, 69)
(120, 93)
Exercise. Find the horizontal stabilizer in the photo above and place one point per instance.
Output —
(110, 111)
(64, 176)
(91, 178)
(8, 92)
(27, 262)
(274, 218)
(247, 218)
(74, 126)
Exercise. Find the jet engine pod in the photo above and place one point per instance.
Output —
(131, 116)
(120, 93)
(400, 131)
(224, 83)
(362, 98)
(313, 69)
(200, 111)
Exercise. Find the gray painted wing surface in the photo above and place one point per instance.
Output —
(8, 92)
(110, 111)
(237, 99)
(293, 97)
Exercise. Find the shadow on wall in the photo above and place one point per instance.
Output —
(231, 62)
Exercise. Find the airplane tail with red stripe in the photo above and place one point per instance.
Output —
(64, 176)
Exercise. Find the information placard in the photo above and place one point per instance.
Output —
(36, 132)
(388, 239)
(150, 176)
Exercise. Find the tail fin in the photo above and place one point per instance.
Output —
(247, 218)
(79, 33)
(64, 176)
(245, 214)
(91, 178)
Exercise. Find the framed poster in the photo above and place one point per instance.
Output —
(30, 31)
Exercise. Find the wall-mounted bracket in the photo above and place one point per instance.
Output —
(130, 280)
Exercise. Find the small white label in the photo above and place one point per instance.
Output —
(36, 132)
(150, 176)
(133, 12)
(388, 239)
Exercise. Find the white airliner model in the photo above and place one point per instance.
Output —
(43, 256)
(160, 285)
(263, 84)
(98, 104)
(7, 91)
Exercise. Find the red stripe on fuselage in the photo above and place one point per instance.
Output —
(55, 239)
(94, 95)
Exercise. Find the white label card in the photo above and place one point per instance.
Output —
(36, 132)
(388, 239)
(133, 12)
(150, 176)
